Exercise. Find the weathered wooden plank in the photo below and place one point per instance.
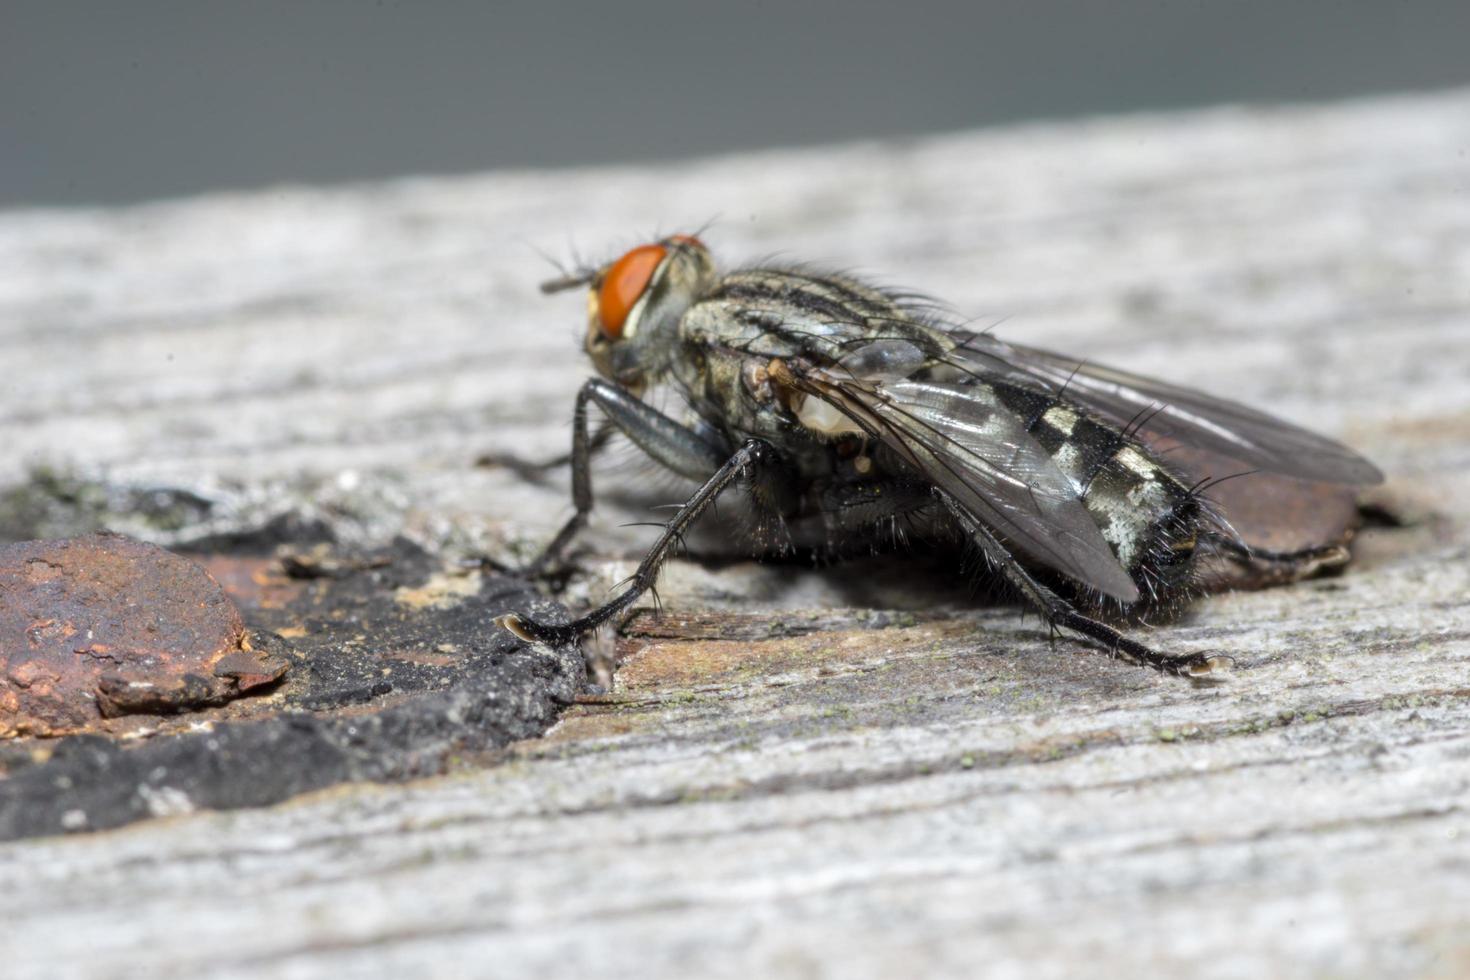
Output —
(858, 770)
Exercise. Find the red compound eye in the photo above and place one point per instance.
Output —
(623, 284)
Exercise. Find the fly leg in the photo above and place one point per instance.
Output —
(1279, 566)
(747, 460)
(670, 444)
(535, 471)
(1062, 614)
(873, 516)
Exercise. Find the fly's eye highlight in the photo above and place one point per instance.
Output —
(623, 285)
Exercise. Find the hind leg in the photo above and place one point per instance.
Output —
(1259, 567)
(1061, 614)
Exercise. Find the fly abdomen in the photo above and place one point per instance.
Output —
(1147, 516)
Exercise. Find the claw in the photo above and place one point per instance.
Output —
(514, 623)
(534, 632)
(1207, 666)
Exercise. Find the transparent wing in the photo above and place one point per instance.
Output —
(981, 455)
(1191, 418)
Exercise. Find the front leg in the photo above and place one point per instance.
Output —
(750, 457)
(536, 471)
(670, 444)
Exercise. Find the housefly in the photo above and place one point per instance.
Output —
(858, 419)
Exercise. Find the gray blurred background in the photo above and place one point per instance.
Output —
(117, 102)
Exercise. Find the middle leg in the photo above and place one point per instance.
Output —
(747, 461)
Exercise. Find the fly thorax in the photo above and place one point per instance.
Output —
(717, 383)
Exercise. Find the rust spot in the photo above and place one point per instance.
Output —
(254, 581)
(424, 657)
(679, 664)
(321, 561)
(102, 626)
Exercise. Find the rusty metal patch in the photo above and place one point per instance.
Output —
(395, 672)
(103, 626)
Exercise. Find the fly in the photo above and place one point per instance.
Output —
(858, 419)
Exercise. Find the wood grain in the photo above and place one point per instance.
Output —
(859, 771)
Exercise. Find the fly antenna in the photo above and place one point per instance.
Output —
(569, 278)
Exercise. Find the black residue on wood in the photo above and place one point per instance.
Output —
(393, 676)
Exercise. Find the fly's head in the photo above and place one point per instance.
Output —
(634, 304)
